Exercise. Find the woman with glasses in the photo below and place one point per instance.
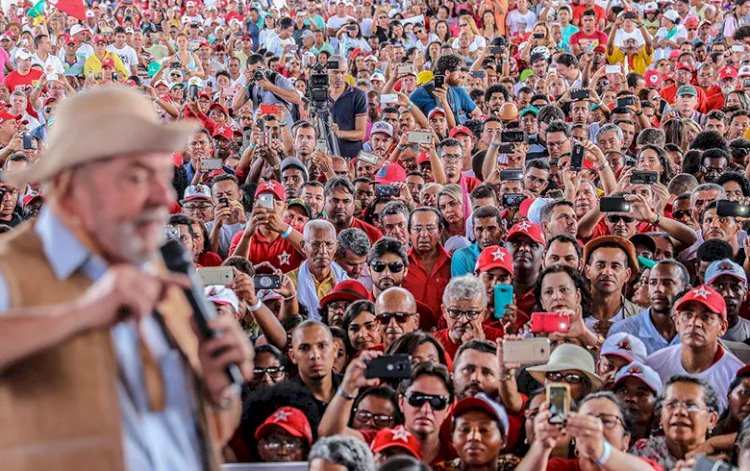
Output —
(689, 410)
(269, 368)
(285, 436)
(361, 327)
(466, 25)
(601, 429)
(564, 448)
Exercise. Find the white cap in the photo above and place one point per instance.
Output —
(377, 76)
(672, 16)
(75, 29)
(23, 54)
(218, 294)
(744, 71)
(651, 6)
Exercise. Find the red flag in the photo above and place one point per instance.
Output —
(73, 8)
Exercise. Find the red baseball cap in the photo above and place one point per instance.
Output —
(290, 419)
(684, 66)
(390, 173)
(528, 229)
(396, 437)
(347, 290)
(460, 130)
(100, 39)
(5, 116)
(675, 54)
(423, 157)
(692, 21)
(270, 186)
(32, 197)
(523, 208)
(727, 72)
(223, 131)
(494, 256)
(707, 296)
(108, 63)
(652, 78)
(743, 372)
(220, 107)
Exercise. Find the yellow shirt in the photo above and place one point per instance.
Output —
(640, 63)
(322, 288)
(94, 65)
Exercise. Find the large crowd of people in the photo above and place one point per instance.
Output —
(543, 206)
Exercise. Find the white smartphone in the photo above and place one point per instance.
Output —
(266, 200)
(612, 69)
(216, 275)
(532, 351)
(388, 98)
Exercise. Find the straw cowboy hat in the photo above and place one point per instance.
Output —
(101, 123)
(569, 357)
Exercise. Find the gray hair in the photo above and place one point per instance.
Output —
(610, 127)
(428, 187)
(465, 287)
(393, 208)
(709, 187)
(349, 452)
(315, 225)
(709, 393)
(354, 240)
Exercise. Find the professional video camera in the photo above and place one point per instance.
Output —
(317, 99)
(317, 86)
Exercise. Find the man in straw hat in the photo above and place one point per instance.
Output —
(100, 366)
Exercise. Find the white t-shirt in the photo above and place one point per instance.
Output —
(519, 23)
(622, 35)
(663, 52)
(336, 22)
(478, 43)
(668, 362)
(127, 55)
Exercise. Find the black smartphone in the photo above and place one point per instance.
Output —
(386, 190)
(732, 209)
(513, 199)
(538, 35)
(576, 157)
(224, 201)
(511, 174)
(389, 367)
(614, 204)
(624, 101)
(513, 136)
(497, 49)
(333, 65)
(267, 281)
(644, 177)
(584, 94)
(174, 65)
(439, 81)
(478, 74)
(27, 141)
(631, 15)
(505, 148)
(351, 27)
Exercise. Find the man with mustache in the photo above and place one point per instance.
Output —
(339, 208)
(723, 228)
(701, 319)
(654, 325)
(730, 280)
(487, 224)
(525, 243)
(610, 263)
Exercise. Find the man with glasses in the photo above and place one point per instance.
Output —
(200, 148)
(714, 162)
(536, 177)
(396, 313)
(388, 264)
(701, 319)
(464, 310)
(429, 262)
(558, 139)
(198, 202)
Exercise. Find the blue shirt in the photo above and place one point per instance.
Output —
(642, 327)
(163, 441)
(464, 260)
(458, 99)
(344, 112)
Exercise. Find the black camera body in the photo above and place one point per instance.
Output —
(259, 75)
(317, 87)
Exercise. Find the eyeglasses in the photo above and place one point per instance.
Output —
(275, 444)
(275, 372)
(317, 245)
(691, 407)
(393, 267)
(417, 399)
(461, 25)
(614, 219)
(380, 420)
(457, 314)
(452, 157)
(570, 378)
(385, 317)
(609, 421)
(200, 207)
(557, 144)
(419, 229)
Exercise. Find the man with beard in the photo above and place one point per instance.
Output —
(313, 194)
(700, 317)
(429, 262)
(730, 280)
(654, 325)
(267, 238)
(388, 264)
(495, 96)
(293, 176)
(200, 148)
(339, 206)
(559, 217)
(396, 314)
(224, 142)
(424, 96)
(304, 143)
(525, 243)
(351, 255)
(381, 139)
(8, 214)
(464, 310)
(318, 274)
(487, 223)
(558, 140)
(610, 263)
(564, 250)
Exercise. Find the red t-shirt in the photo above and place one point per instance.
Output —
(571, 464)
(280, 252)
(578, 13)
(25, 83)
(373, 233)
(209, 259)
(582, 39)
(490, 333)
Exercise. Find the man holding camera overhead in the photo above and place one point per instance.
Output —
(266, 88)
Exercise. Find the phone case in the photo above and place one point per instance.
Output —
(532, 351)
(389, 367)
(503, 296)
(558, 397)
(216, 275)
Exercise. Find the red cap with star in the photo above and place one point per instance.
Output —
(396, 437)
(728, 72)
(494, 256)
(271, 186)
(290, 419)
(528, 229)
(223, 131)
(710, 298)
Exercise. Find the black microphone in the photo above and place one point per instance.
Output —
(176, 259)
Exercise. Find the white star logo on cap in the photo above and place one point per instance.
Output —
(220, 129)
(268, 185)
(700, 293)
(281, 416)
(284, 258)
(524, 226)
(400, 433)
(498, 254)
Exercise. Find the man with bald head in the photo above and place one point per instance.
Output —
(396, 313)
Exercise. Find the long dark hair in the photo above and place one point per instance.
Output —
(578, 281)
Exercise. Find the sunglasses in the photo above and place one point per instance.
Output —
(274, 372)
(570, 378)
(393, 267)
(380, 420)
(417, 399)
(614, 219)
(385, 318)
